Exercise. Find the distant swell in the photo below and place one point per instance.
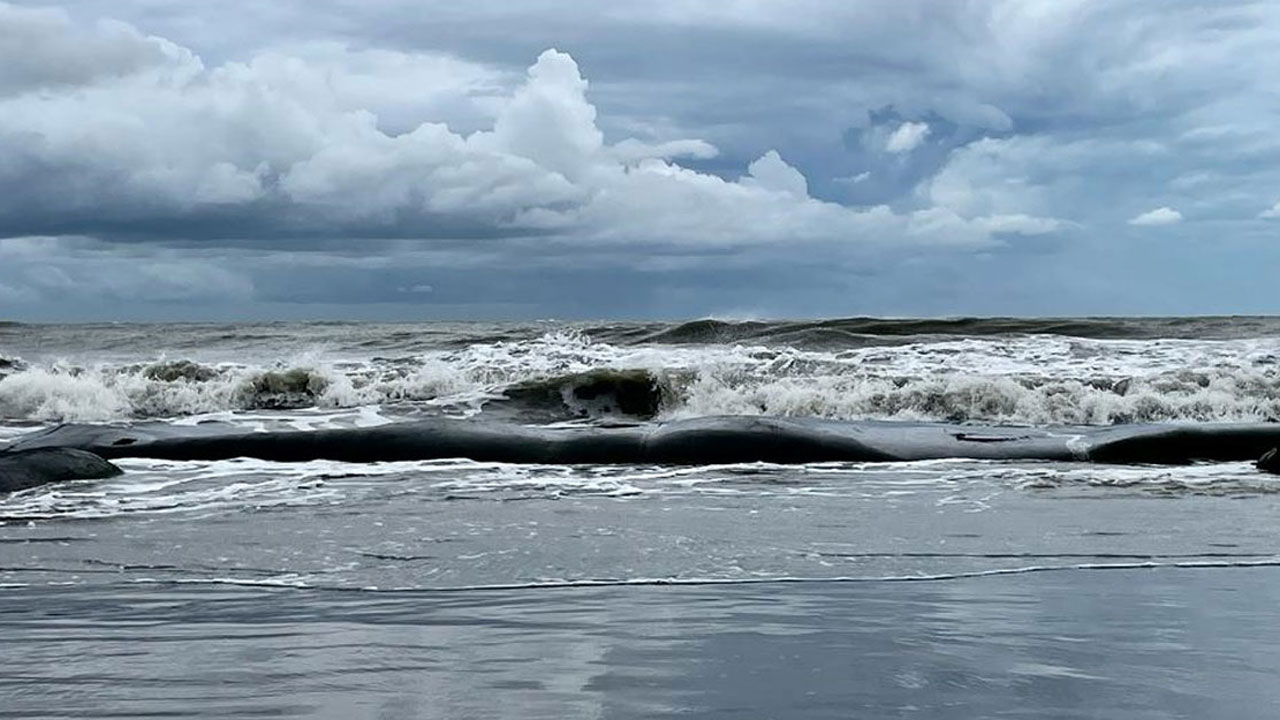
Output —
(860, 332)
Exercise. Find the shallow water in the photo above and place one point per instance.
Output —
(454, 589)
(1078, 644)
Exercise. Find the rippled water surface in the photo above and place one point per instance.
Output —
(456, 589)
(1117, 644)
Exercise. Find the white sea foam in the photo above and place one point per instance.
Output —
(1214, 395)
(208, 488)
(1022, 379)
(301, 582)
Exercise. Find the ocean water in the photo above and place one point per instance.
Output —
(459, 589)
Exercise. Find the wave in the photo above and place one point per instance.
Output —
(70, 393)
(569, 376)
(314, 583)
(633, 392)
(1178, 396)
(864, 331)
(641, 394)
(267, 341)
(8, 366)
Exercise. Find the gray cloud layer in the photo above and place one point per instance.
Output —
(862, 155)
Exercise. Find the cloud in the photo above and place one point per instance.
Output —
(1019, 224)
(44, 49)
(1271, 213)
(907, 137)
(83, 270)
(1048, 176)
(16, 295)
(631, 150)
(772, 173)
(853, 179)
(296, 144)
(1159, 216)
(327, 135)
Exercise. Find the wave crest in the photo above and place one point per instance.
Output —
(991, 399)
(68, 393)
(567, 376)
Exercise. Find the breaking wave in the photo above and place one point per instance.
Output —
(1229, 396)
(69, 393)
(569, 376)
(9, 366)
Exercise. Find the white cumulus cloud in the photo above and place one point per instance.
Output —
(1271, 212)
(1159, 216)
(1019, 224)
(323, 140)
(907, 137)
(43, 48)
(771, 172)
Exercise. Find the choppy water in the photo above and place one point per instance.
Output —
(455, 588)
(1113, 371)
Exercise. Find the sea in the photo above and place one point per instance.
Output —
(462, 589)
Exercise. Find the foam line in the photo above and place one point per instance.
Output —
(295, 582)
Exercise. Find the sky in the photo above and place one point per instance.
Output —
(397, 160)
